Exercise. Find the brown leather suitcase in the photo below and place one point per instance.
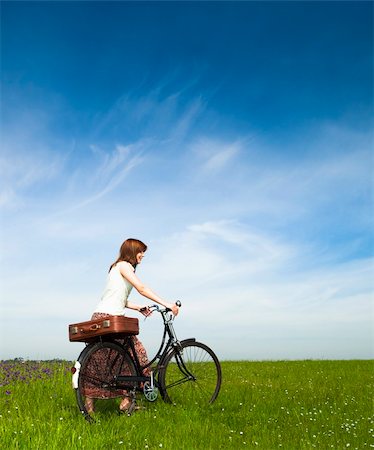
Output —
(118, 326)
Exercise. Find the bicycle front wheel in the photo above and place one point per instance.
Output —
(191, 375)
(96, 376)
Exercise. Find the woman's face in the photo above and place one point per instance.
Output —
(139, 257)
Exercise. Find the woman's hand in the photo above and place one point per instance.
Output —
(145, 311)
(174, 308)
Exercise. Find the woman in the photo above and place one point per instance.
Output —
(121, 279)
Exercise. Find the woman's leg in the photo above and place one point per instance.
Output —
(89, 405)
(141, 353)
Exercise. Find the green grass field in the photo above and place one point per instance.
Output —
(267, 405)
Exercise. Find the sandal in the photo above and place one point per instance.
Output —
(125, 404)
(128, 406)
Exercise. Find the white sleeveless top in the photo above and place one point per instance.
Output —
(116, 292)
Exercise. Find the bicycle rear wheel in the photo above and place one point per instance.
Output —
(96, 372)
(191, 375)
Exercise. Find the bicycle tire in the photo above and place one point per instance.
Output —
(96, 370)
(191, 375)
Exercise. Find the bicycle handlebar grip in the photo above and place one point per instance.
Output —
(178, 303)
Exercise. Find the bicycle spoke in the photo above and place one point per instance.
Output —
(193, 375)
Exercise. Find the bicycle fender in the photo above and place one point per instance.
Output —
(77, 367)
(84, 351)
(188, 340)
(185, 341)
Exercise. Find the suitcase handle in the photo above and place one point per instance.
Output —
(93, 327)
(96, 326)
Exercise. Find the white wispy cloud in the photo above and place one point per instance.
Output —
(186, 121)
(222, 252)
(276, 296)
(239, 231)
(8, 198)
(21, 171)
(32, 157)
(151, 115)
(214, 155)
(106, 177)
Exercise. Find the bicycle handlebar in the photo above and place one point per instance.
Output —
(161, 310)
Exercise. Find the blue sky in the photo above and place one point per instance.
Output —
(234, 138)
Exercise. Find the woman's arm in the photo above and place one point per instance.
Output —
(142, 309)
(127, 272)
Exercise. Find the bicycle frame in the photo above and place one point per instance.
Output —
(164, 349)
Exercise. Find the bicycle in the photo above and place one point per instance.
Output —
(182, 372)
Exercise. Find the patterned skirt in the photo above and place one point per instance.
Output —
(99, 363)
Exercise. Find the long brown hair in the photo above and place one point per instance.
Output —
(128, 251)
